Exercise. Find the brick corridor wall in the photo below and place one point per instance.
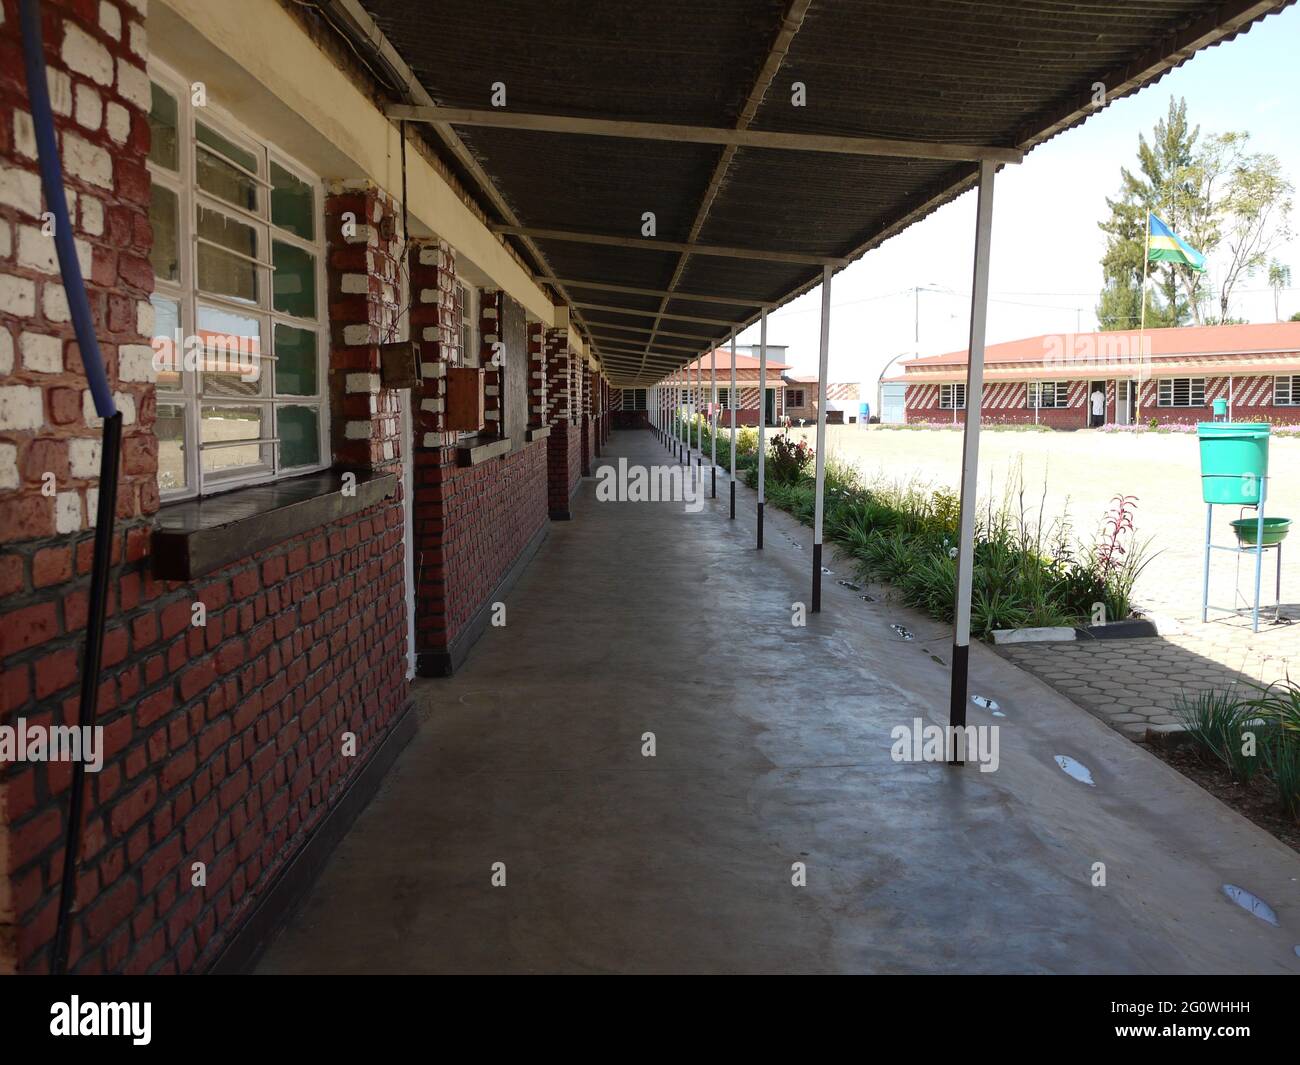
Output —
(471, 523)
(224, 742)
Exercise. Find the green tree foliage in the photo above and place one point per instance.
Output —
(1229, 203)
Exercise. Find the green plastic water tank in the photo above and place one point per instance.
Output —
(1220, 409)
(1234, 461)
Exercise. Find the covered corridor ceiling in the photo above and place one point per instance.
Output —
(958, 75)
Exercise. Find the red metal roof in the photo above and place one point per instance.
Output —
(743, 362)
(1084, 349)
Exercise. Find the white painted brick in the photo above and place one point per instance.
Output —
(357, 335)
(110, 19)
(92, 216)
(431, 295)
(60, 91)
(8, 465)
(431, 440)
(355, 284)
(133, 85)
(388, 449)
(92, 506)
(83, 457)
(54, 301)
(144, 318)
(135, 363)
(433, 369)
(89, 107)
(87, 161)
(41, 353)
(362, 382)
(118, 122)
(491, 416)
(489, 312)
(36, 250)
(6, 351)
(125, 404)
(24, 134)
(84, 55)
(142, 6)
(67, 512)
(361, 235)
(21, 407)
(17, 296)
(6, 239)
(139, 40)
(434, 406)
(357, 431)
(22, 189)
(428, 256)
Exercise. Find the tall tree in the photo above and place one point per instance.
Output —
(1160, 184)
(1279, 277)
(1229, 203)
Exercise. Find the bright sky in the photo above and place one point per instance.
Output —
(1045, 269)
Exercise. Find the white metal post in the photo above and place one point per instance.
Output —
(821, 440)
(713, 414)
(979, 304)
(762, 415)
(732, 408)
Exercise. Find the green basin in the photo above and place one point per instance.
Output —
(1275, 530)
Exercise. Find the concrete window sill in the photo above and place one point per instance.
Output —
(539, 434)
(198, 536)
(480, 449)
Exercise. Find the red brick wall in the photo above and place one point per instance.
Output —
(224, 743)
(564, 445)
(471, 523)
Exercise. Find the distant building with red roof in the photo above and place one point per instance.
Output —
(1169, 375)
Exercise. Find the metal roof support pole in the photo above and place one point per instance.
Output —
(732, 407)
(979, 305)
(762, 415)
(713, 411)
(697, 422)
(820, 459)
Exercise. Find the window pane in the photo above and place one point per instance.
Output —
(294, 281)
(164, 218)
(166, 336)
(170, 430)
(240, 156)
(295, 361)
(220, 272)
(299, 433)
(163, 148)
(217, 176)
(221, 424)
(232, 355)
(293, 205)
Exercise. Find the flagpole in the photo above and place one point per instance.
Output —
(1142, 318)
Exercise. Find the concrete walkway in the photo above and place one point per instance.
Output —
(773, 747)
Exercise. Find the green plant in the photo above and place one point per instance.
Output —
(788, 458)
(1218, 723)
(1279, 706)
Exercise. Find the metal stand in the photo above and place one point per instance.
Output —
(1258, 551)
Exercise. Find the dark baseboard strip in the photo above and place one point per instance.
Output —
(279, 902)
(445, 662)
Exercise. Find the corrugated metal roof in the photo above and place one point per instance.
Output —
(973, 72)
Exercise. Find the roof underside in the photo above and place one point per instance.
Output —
(963, 72)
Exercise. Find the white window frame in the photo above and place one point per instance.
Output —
(1286, 390)
(951, 391)
(184, 292)
(1167, 392)
(469, 297)
(1037, 394)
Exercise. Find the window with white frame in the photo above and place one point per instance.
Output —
(724, 398)
(1286, 390)
(952, 397)
(238, 330)
(1047, 394)
(634, 399)
(1181, 392)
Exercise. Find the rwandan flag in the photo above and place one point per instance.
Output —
(1166, 246)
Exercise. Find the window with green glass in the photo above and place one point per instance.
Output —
(237, 317)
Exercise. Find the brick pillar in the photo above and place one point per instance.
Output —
(362, 252)
(564, 456)
(537, 408)
(493, 364)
